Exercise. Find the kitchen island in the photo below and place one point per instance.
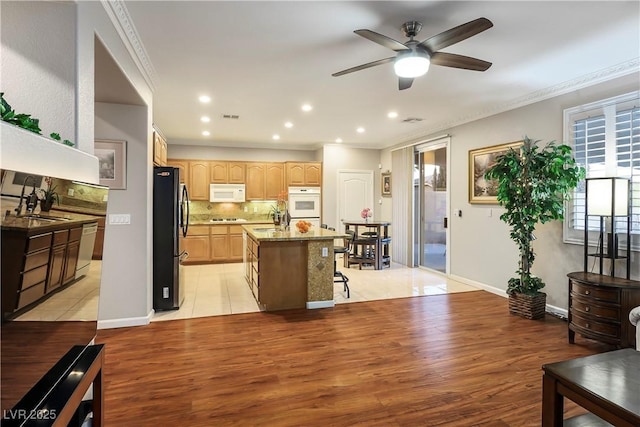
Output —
(289, 269)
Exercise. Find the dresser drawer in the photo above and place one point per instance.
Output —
(602, 294)
(586, 306)
(612, 330)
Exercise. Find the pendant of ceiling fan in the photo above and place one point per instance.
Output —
(413, 58)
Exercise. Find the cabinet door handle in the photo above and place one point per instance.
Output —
(587, 292)
(587, 308)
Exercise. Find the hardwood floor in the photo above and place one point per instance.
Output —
(442, 360)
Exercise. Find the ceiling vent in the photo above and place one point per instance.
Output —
(231, 116)
(412, 120)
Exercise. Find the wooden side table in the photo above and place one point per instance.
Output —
(599, 308)
(606, 384)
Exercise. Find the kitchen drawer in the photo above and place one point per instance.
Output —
(198, 230)
(587, 307)
(235, 229)
(219, 230)
(60, 237)
(30, 295)
(602, 294)
(36, 259)
(38, 242)
(75, 234)
(34, 276)
(612, 330)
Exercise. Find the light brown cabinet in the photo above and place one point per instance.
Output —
(219, 243)
(303, 174)
(255, 187)
(159, 150)
(183, 166)
(236, 172)
(196, 244)
(199, 180)
(219, 172)
(274, 180)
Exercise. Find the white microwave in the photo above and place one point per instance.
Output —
(226, 193)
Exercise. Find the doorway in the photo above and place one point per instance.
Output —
(355, 192)
(431, 207)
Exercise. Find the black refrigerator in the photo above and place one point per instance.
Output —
(170, 220)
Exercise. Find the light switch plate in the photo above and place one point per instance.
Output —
(325, 252)
(120, 219)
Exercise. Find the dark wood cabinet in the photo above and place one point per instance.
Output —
(56, 262)
(99, 243)
(599, 307)
(71, 255)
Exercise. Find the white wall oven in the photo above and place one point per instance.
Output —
(304, 203)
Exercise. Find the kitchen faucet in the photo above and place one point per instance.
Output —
(32, 199)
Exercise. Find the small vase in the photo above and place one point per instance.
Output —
(276, 218)
(286, 219)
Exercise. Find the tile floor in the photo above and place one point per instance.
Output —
(218, 289)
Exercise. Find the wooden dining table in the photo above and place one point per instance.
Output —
(372, 233)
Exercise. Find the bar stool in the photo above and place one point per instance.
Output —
(336, 273)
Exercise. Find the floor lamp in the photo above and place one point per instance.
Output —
(607, 198)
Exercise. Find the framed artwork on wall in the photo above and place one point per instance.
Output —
(112, 160)
(386, 184)
(482, 190)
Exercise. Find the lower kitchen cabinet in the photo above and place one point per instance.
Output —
(196, 244)
(56, 261)
(99, 244)
(219, 243)
(71, 256)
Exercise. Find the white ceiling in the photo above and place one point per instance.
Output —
(263, 60)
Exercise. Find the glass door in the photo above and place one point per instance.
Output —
(430, 188)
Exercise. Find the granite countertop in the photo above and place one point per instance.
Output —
(271, 233)
(243, 222)
(46, 222)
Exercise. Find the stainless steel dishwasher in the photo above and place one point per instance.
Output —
(85, 253)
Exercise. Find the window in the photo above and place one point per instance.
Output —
(605, 136)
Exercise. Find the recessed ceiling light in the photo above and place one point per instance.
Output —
(204, 99)
(338, 140)
(206, 133)
(392, 114)
(360, 130)
(288, 125)
(205, 119)
(276, 137)
(307, 107)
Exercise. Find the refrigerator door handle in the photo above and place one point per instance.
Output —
(184, 218)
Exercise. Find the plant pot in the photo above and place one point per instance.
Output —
(528, 306)
(46, 205)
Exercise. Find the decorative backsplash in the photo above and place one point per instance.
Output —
(251, 211)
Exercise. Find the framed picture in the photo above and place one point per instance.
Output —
(386, 184)
(112, 160)
(480, 189)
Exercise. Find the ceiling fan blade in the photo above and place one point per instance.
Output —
(456, 34)
(364, 66)
(381, 40)
(404, 83)
(459, 61)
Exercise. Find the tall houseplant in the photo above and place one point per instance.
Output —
(533, 184)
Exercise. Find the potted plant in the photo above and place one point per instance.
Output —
(48, 195)
(533, 183)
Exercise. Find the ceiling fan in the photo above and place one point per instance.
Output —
(413, 57)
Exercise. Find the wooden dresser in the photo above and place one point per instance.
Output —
(599, 308)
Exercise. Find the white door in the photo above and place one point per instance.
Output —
(355, 192)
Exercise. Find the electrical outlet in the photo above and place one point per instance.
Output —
(255, 209)
(70, 192)
(105, 197)
(246, 209)
(325, 252)
(489, 212)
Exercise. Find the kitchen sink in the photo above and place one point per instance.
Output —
(265, 230)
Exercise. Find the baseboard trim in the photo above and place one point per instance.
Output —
(312, 305)
(556, 311)
(126, 322)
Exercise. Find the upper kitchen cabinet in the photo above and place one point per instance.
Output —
(227, 172)
(303, 174)
(183, 165)
(274, 180)
(219, 172)
(255, 185)
(159, 150)
(237, 172)
(199, 180)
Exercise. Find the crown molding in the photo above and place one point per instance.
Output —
(606, 74)
(123, 24)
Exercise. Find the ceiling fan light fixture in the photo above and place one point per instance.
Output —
(412, 64)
